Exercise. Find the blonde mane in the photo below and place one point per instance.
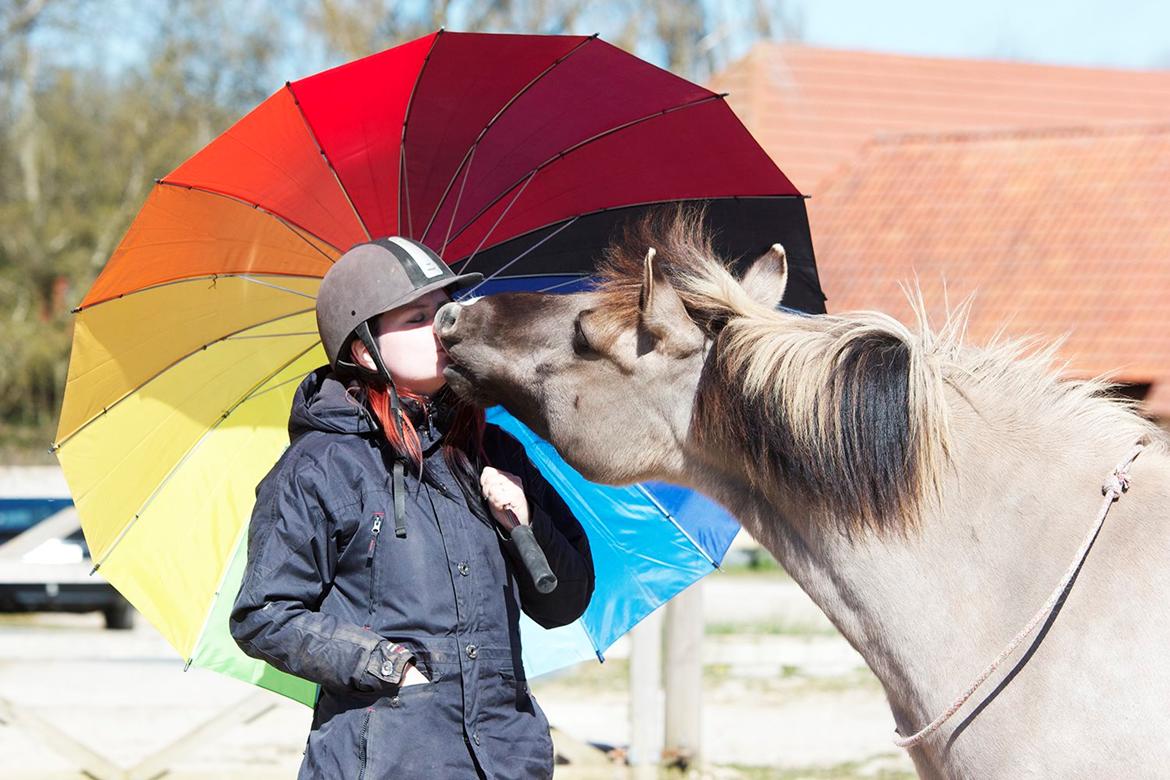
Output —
(851, 408)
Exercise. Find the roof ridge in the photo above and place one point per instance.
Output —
(894, 55)
(1104, 129)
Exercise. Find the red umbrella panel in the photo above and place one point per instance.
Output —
(465, 141)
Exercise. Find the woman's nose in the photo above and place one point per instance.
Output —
(445, 320)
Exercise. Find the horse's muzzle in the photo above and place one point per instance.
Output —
(446, 319)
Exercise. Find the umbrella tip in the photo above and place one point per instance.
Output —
(187, 665)
(96, 566)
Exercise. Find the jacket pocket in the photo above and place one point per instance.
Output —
(406, 692)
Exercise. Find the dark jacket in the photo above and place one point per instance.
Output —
(333, 595)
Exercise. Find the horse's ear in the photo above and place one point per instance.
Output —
(767, 278)
(663, 315)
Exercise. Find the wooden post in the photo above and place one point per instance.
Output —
(684, 677)
(646, 694)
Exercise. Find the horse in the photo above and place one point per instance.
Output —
(927, 493)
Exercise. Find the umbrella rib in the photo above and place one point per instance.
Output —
(562, 284)
(471, 149)
(273, 335)
(250, 276)
(241, 538)
(673, 521)
(105, 409)
(458, 200)
(515, 259)
(404, 190)
(187, 455)
(289, 290)
(579, 145)
(325, 157)
(300, 230)
(495, 225)
(278, 385)
(402, 169)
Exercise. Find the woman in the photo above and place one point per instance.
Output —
(379, 558)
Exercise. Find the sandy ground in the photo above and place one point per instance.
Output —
(784, 697)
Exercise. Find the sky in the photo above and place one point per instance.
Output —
(1098, 33)
(1092, 33)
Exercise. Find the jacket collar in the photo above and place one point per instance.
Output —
(323, 402)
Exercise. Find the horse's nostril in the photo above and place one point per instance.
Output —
(445, 318)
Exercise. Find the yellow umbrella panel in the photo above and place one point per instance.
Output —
(177, 403)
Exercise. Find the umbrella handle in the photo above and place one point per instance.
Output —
(533, 557)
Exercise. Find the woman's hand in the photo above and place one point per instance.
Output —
(412, 676)
(504, 492)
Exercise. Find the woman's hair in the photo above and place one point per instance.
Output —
(464, 434)
(462, 445)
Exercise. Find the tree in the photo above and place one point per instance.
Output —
(87, 145)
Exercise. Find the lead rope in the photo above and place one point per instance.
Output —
(399, 481)
(1115, 484)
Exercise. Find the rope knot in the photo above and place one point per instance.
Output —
(1116, 483)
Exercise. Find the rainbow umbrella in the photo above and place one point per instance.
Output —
(513, 155)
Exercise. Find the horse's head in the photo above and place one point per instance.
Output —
(608, 376)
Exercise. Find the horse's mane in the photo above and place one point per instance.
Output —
(849, 408)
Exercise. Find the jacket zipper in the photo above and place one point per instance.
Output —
(371, 555)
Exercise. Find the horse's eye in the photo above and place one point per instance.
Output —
(580, 341)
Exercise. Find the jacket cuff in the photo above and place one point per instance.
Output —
(388, 661)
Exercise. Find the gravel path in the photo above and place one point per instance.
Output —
(781, 691)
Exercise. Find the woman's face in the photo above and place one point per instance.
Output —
(409, 348)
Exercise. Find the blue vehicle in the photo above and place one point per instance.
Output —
(44, 561)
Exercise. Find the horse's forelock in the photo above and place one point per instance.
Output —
(685, 255)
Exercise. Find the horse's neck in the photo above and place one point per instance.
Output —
(927, 611)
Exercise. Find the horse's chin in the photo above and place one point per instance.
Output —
(486, 393)
(463, 383)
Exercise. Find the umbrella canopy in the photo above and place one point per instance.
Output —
(512, 155)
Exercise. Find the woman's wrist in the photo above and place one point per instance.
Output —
(389, 660)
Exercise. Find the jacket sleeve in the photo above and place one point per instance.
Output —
(565, 545)
(291, 560)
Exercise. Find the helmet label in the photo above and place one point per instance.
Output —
(430, 269)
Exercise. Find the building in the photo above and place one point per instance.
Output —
(1044, 190)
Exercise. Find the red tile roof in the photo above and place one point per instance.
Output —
(812, 109)
(1055, 230)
